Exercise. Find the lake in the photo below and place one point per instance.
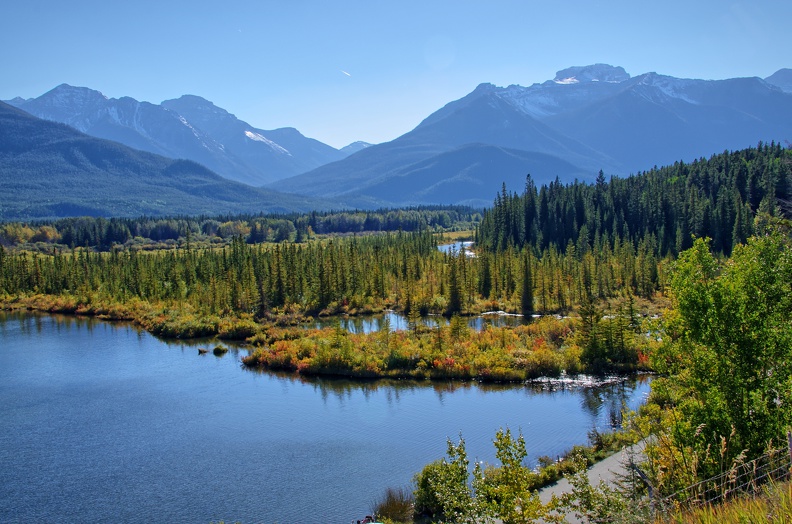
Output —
(454, 248)
(103, 422)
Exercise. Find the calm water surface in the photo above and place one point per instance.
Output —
(398, 322)
(104, 423)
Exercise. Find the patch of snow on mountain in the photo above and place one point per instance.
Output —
(258, 138)
(669, 87)
(112, 112)
(567, 81)
(534, 100)
(354, 147)
(194, 132)
(572, 88)
(137, 122)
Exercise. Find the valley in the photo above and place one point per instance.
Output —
(628, 225)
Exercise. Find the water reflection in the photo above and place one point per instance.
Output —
(612, 399)
(36, 321)
(398, 322)
(95, 407)
(602, 398)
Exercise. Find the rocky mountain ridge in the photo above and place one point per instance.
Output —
(586, 119)
(50, 170)
(592, 117)
(189, 127)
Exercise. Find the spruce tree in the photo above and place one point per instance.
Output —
(526, 299)
(454, 288)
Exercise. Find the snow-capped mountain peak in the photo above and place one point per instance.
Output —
(354, 147)
(59, 105)
(591, 73)
(66, 96)
(572, 87)
(199, 110)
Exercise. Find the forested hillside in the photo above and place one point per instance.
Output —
(52, 170)
(663, 208)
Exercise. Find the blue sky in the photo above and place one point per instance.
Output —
(369, 70)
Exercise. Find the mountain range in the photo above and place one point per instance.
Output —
(586, 119)
(188, 127)
(591, 118)
(50, 170)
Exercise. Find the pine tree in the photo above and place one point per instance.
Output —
(454, 288)
(526, 297)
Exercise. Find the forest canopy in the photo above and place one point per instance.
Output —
(665, 207)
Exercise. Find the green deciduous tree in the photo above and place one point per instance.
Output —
(731, 350)
(507, 489)
(443, 491)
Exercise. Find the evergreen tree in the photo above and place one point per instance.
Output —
(526, 297)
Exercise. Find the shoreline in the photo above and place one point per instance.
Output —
(439, 354)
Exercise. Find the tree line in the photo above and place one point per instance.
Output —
(102, 234)
(665, 208)
(192, 291)
(403, 270)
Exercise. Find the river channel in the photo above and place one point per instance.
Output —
(103, 422)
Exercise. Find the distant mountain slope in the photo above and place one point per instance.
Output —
(189, 127)
(359, 170)
(485, 117)
(470, 175)
(782, 79)
(588, 118)
(593, 117)
(354, 147)
(661, 119)
(50, 170)
(284, 152)
(480, 118)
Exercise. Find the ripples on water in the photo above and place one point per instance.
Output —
(105, 423)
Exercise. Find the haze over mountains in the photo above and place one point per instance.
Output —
(592, 117)
(50, 170)
(781, 78)
(586, 119)
(189, 127)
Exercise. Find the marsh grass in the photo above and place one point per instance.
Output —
(395, 505)
(773, 505)
(496, 354)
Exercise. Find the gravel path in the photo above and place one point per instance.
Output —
(607, 470)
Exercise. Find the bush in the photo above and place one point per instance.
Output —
(237, 329)
(426, 502)
(442, 492)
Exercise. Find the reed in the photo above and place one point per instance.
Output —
(773, 506)
(395, 505)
